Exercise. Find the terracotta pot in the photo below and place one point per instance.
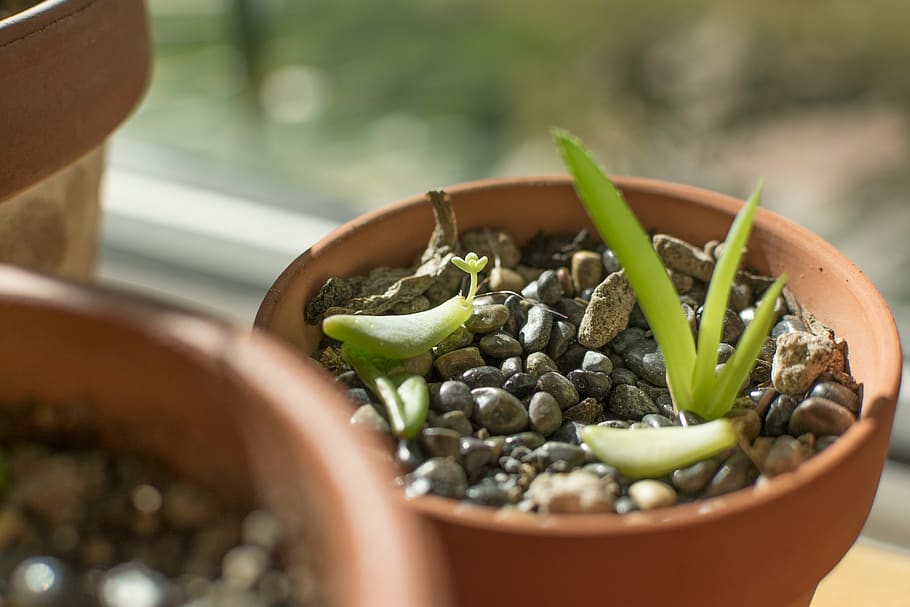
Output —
(72, 71)
(238, 412)
(767, 547)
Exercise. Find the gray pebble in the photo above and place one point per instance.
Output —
(787, 324)
(487, 492)
(440, 442)
(457, 421)
(608, 311)
(561, 335)
(487, 318)
(360, 396)
(451, 395)
(569, 432)
(630, 402)
(692, 479)
(544, 413)
(530, 440)
(785, 455)
(590, 383)
(647, 361)
(626, 338)
(740, 296)
(511, 366)
(614, 423)
(656, 421)
(600, 469)
(625, 505)
(820, 416)
(538, 363)
(733, 327)
(476, 455)
(408, 454)
(596, 362)
(517, 315)
(724, 352)
(777, 420)
(762, 398)
(445, 477)
(485, 376)
(520, 384)
(610, 261)
(572, 309)
(559, 387)
(588, 411)
(535, 333)
(554, 451)
(498, 411)
(546, 289)
(499, 345)
(456, 362)
(735, 473)
(366, 416)
(838, 393)
(621, 375)
(683, 257)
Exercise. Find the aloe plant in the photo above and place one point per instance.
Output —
(691, 371)
(377, 346)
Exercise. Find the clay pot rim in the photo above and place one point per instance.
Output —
(703, 512)
(272, 375)
(92, 55)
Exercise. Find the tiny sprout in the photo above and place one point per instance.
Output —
(375, 346)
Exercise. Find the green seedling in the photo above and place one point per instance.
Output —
(377, 346)
(691, 372)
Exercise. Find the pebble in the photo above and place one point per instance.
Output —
(476, 455)
(785, 455)
(457, 421)
(505, 279)
(561, 335)
(454, 363)
(650, 494)
(367, 416)
(596, 362)
(626, 338)
(520, 384)
(528, 440)
(408, 454)
(788, 324)
(485, 376)
(740, 296)
(587, 270)
(517, 315)
(588, 411)
(692, 479)
(733, 327)
(838, 393)
(498, 411)
(457, 339)
(558, 386)
(444, 477)
(576, 492)
(647, 361)
(624, 505)
(360, 396)
(499, 345)
(544, 413)
(569, 432)
(610, 261)
(821, 417)
(777, 420)
(747, 420)
(572, 309)
(451, 395)
(622, 375)
(565, 282)
(440, 442)
(736, 472)
(630, 402)
(535, 333)
(608, 311)
(488, 492)
(546, 289)
(657, 421)
(683, 257)
(487, 318)
(512, 365)
(590, 383)
(800, 358)
(554, 451)
(538, 363)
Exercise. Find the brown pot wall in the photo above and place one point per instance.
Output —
(236, 411)
(753, 548)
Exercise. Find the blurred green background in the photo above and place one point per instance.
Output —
(336, 106)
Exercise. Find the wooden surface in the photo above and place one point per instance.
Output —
(869, 575)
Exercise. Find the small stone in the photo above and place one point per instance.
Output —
(546, 289)
(440, 442)
(785, 455)
(569, 432)
(724, 352)
(610, 261)
(590, 383)
(420, 365)
(451, 395)
(578, 491)
(498, 411)
(457, 339)
(517, 314)
(608, 311)
(488, 492)
(762, 399)
(457, 421)
(262, 528)
(565, 282)
(821, 417)
(561, 335)
(596, 362)
(587, 270)
(692, 479)
(624, 340)
(133, 585)
(366, 416)
(360, 396)
(554, 451)
(630, 402)
(838, 393)
(487, 318)
(475, 455)
(647, 361)
(657, 421)
(505, 279)
(777, 420)
(559, 387)
(736, 472)
(588, 411)
(800, 358)
(544, 413)
(572, 309)
(535, 333)
(787, 324)
(456, 362)
(520, 384)
(408, 454)
(683, 283)
(622, 375)
(650, 494)
(740, 296)
(624, 505)
(243, 566)
(733, 327)
(683, 257)
(485, 376)
(499, 345)
(511, 366)
(621, 424)
(538, 363)
(444, 477)
(747, 420)
(823, 442)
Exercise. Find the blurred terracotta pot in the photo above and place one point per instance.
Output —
(72, 71)
(238, 412)
(751, 548)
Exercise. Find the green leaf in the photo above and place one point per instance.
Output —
(654, 452)
(406, 396)
(620, 229)
(401, 336)
(710, 328)
(739, 366)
